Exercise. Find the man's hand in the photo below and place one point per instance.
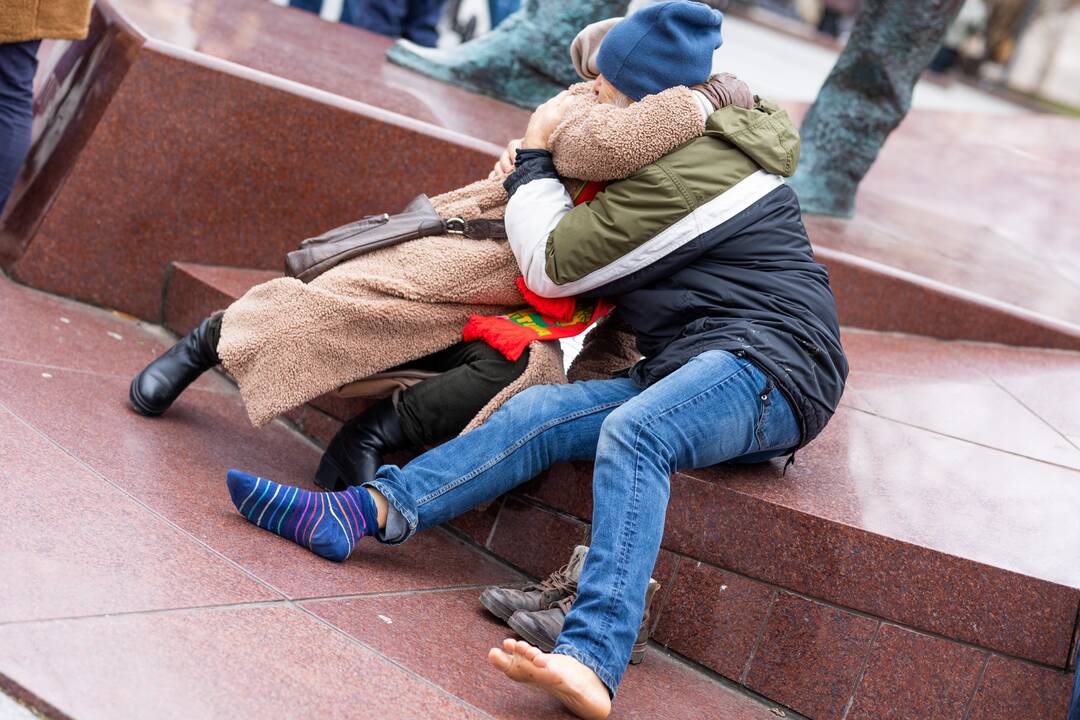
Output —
(505, 166)
(544, 121)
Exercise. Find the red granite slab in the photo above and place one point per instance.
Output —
(54, 332)
(478, 524)
(913, 356)
(230, 167)
(536, 540)
(985, 240)
(341, 59)
(876, 295)
(971, 411)
(910, 675)
(903, 524)
(714, 617)
(810, 656)
(245, 662)
(1013, 689)
(898, 522)
(74, 545)
(194, 291)
(317, 425)
(422, 625)
(1041, 380)
(176, 464)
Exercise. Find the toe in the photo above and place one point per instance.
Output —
(510, 645)
(499, 659)
(240, 486)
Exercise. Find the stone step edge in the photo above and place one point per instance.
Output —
(194, 290)
(875, 296)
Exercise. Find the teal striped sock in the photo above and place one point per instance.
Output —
(328, 524)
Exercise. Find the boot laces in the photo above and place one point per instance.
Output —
(557, 582)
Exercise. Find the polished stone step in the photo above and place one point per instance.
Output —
(155, 150)
(224, 132)
(145, 595)
(930, 523)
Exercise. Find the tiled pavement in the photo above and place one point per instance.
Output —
(132, 589)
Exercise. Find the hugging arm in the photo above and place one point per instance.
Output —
(600, 141)
(564, 250)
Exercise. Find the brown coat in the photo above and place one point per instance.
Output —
(287, 342)
(39, 19)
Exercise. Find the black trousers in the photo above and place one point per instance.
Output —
(440, 407)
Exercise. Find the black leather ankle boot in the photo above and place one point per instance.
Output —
(159, 384)
(357, 450)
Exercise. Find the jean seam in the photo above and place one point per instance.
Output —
(697, 397)
(515, 447)
(629, 521)
(619, 582)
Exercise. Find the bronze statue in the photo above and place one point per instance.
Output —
(524, 61)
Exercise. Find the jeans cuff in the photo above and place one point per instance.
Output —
(590, 662)
(400, 521)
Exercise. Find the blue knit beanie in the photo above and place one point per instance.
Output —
(660, 46)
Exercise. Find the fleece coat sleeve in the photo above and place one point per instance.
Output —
(599, 141)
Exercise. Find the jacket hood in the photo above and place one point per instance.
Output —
(765, 133)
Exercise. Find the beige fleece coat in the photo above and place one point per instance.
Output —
(287, 342)
(37, 19)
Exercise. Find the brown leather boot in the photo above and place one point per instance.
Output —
(504, 602)
(542, 627)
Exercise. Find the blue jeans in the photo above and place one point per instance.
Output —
(18, 63)
(414, 20)
(1074, 705)
(717, 407)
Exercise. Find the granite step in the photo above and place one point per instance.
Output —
(162, 602)
(190, 154)
(926, 532)
(267, 137)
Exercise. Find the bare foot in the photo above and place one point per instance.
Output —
(573, 684)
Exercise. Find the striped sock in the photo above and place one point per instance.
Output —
(327, 523)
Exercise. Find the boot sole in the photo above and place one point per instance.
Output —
(139, 405)
(495, 607)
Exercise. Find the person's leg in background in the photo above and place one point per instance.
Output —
(421, 22)
(314, 6)
(1074, 707)
(385, 17)
(472, 374)
(18, 63)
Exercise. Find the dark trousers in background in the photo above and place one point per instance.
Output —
(1074, 708)
(18, 63)
(441, 407)
(414, 20)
